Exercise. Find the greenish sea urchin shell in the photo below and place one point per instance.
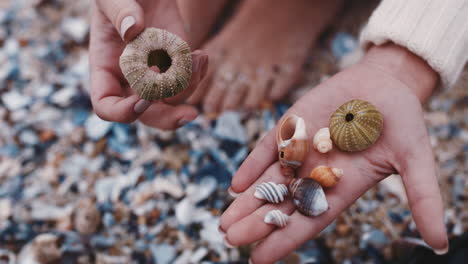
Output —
(157, 47)
(355, 125)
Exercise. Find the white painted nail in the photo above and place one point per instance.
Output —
(127, 23)
(232, 193)
(141, 106)
(441, 251)
(227, 244)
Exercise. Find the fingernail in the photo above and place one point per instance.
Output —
(232, 193)
(250, 261)
(227, 244)
(209, 109)
(221, 231)
(441, 251)
(141, 106)
(127, 23)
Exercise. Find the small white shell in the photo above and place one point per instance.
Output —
(272, 192)
(276, 217)
(322, 141)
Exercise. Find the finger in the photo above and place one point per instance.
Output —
(199, 69)
(263, 155)
(108, 99)
(126, 15)
(168, 117)
(420, 180)
(246, 203)
(253, 227)
(301, 228)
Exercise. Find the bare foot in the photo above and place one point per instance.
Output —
(199, 18)
(258, 56)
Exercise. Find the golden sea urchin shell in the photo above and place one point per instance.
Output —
(355, 125)
(157, 47)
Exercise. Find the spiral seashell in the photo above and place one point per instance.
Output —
(326, 176)
(322, 141)
(308, 196)
(276, 217)
(293, 145)
(272, 192)
(157, 47)
(355, 125)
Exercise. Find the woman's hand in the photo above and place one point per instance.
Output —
(403, 148)
(113, 24)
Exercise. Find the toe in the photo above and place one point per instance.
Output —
(236, 92)
(221, 82)
(285, 77)
(258, 89)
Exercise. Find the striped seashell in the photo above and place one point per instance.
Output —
(157, 47)
(355, 126)
(293, 144)
(308, 196)
(276, 217)
(272, 192)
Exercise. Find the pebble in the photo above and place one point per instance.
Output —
(96, 128)
(163, 253)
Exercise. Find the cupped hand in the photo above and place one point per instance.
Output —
(403, 148)
(113, 24)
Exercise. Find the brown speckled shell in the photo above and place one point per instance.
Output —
(293, 144)
(355, 126)
(148, 84)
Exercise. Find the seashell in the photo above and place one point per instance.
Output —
(272, 192)
(326, 176)
(157, 47)
(7, 257)
(293, 145)
(322, 141)
(87, 217)
(45, 248)
(308, 196)
(276, 217)
(355, 125)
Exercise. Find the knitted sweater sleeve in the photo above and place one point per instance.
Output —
(435, 30)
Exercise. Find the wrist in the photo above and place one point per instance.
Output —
(404, 66)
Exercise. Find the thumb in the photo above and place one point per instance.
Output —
(420, 180)
(126, 15)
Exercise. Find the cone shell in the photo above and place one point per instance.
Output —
(293, 144)
(326, 176)
(150, 48)
(308, 196)
(276, 217)
(272, 192)
(322, 141)
(355, 126)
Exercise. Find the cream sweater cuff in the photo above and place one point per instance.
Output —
(435, 30)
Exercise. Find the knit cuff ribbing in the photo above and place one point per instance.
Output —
(435, 30)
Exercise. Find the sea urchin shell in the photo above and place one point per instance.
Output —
(157, 47)
(355, 125)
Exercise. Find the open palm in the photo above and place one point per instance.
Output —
(111, 95)
(402, 148)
